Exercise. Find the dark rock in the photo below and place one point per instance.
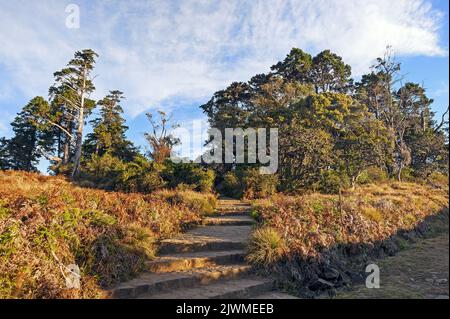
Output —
(353, 250)
(346, 279)
(390, 248)
(331, 274)
(321, 284)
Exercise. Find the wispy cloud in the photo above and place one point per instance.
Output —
(161, 52)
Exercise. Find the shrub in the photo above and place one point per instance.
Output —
(184, 187)
(140, 175)
(150, 182)
(407, 175)
(438, 179)
(249, 183)
(232, 185)
(103, 171)
(110, 173)
(206, 180)
(200, 203)
(201, 179)
(373, 175)
(259, 185)
(332, 181)
(266, 246)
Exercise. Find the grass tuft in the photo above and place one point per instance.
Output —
(266, 246)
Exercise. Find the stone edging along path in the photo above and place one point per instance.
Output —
(207, 262)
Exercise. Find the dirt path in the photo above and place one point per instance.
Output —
(421, 271)
(205, 262)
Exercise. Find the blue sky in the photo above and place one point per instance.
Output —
(173, 55)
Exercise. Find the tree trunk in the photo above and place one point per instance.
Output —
(79, 144)
(79, 135)
(66, 152)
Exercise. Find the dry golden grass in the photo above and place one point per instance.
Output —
(315, 222)
(266, 246)
(109, 235)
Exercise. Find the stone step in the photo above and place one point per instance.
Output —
(185, 261)
(150, 283)
(224, 200)
(233, 205)
(236, 220)
(240, 288)
(207, 238)
(175, 246)
(232, 212)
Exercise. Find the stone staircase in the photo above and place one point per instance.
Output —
(207, 262)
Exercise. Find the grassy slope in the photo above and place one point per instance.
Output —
(46, 222)
(320, 232)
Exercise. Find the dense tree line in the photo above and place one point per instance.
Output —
(105, 158)
(333, 132)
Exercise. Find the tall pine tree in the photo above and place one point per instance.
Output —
(4, 154)
(72, 105)
(109, 129)
(27, 145)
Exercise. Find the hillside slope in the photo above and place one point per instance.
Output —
(46, 224)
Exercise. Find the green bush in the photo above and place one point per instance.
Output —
(110, 173)
(150, 182)
(248, 183)
(104, 171)
(373, 175)
(191, 174)
(438, 179)
(232, 185)
(198, 202)
(407, 175)
(184, 187)
(332, 181)
(259, 185)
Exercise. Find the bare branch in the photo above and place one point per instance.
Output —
(48, 156)
(61, 128)
(443, 121)
(69, 101)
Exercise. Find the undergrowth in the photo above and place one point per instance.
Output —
(47, 223)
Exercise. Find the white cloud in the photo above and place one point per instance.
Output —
(161, 51)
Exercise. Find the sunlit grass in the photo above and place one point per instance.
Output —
(109, 235)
